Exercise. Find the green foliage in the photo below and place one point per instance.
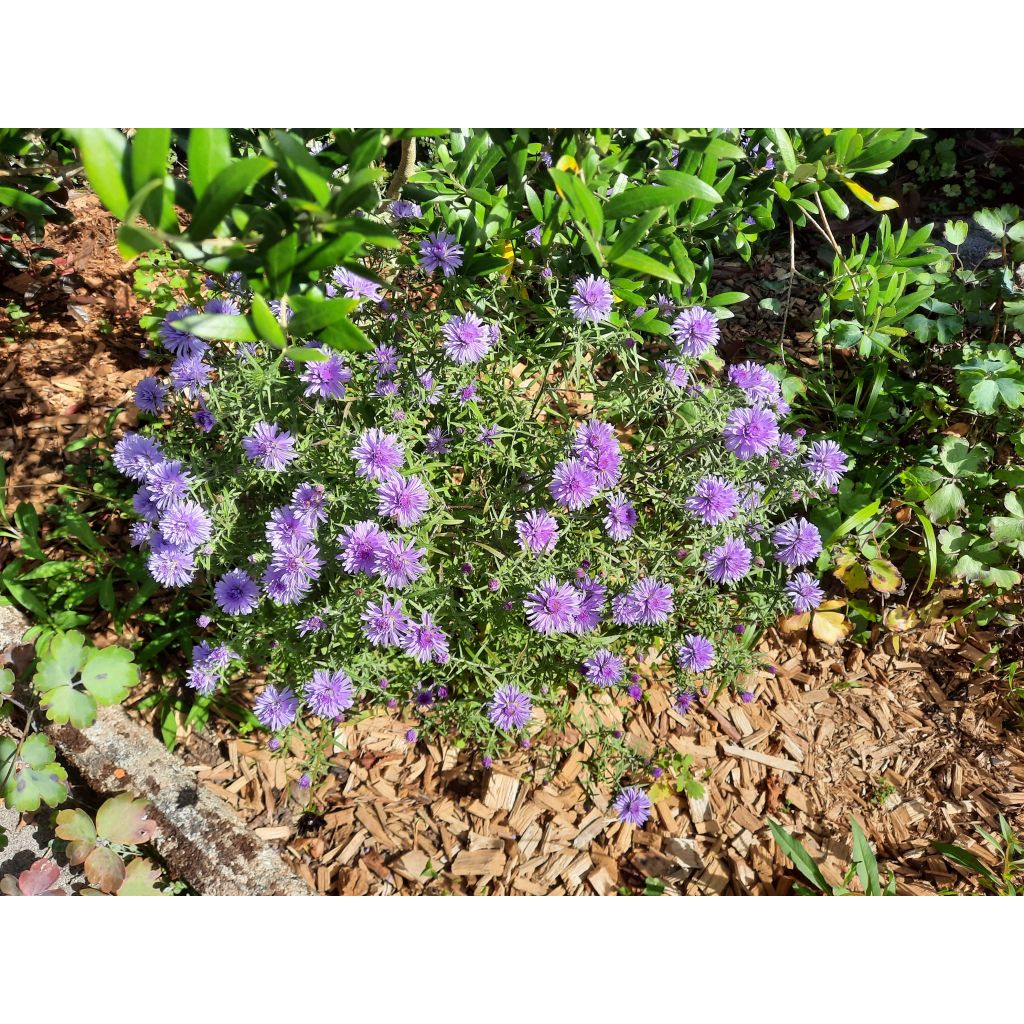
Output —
(1007, 878)
(29, 776)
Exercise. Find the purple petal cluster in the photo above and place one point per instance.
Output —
(553, 607)
(804, 592)
(440, 251)
(403, 499)
(826, 462)
(796, 542)
(714, 501)
(591, 299)
(236, 593)
(750, 432)
(632, 806)
(695, 331)
(275, 709)
(728, 562)
(510, 708)
(378, 455)
(270, 446)
(467, 339)
(603, 668)
(696, 653)
(538, 532)
(328, 694)
(326, 378)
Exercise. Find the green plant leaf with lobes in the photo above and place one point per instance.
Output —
(32, 776)
(108, 675)
(123, 820)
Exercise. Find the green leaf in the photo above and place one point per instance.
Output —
(852, 522)
(962, 459)
(785, 147)
(218, 327)
(139, 876)
(103, 155)
(60, 661)
(631, 234)
(801, 859)
(227, 187)
(266, 324)
(690, 186)
(108, 675)
(279, 262)
(104, 869)
(77, 829)
(27, 520)
(956, 232)
(314, 318)
(209, 152)
(66, 704)
(28, 205)
(533, 202)
(726, 299)
(149, 151)
(864, 860)
(646, 265)
(6, 681)
(32, 776)
(944, 505)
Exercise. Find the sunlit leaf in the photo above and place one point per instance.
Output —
(123, 820)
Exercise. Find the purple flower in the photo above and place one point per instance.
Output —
(788, 445)
(354, 286)
(236, 593)
(605, 464)
(728, 562)
(134, 456)
(696, 653)
(201, 679)
(189, 375)
(150, 395)
(653, 601)
(467, 394)
(169, 565)
(402, 209)
(425, 641)
(593, 437)
(510, 708)
(756, 382)
(796, 542)
(168, 483)
(286, 526)
(313, 624)
(826, 462)
(488, 435)
(440, 251)
(804, 592)
(467, 339)
(398, 562)
(573, 484)
(676, 375)
(378, 455)
(714, 500)
(203, 418)
(403, 499)
(276, 708)
(180, 342)
(633, 806)
(186, 525)
(603, 668)
(750, 431)
(621, 518)
(328, 694)
(695, 331)
(592, 595)
(410, 734)
(385, 624)
(140, 534)
(533, 236)
(309, 501)
(591, 299)
(553, 607)
(625, 610)
(684, 700)
(384, 359)
(269, 445)
(223, 307)
(538, 531)
(494, 585)
(437, 442)
(327, 377)
(145, 505)
(360, 545)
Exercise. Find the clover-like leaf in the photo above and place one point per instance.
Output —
(1009, 529)
(139, 877)
(6, 681)
(104, 869)
(827, 624)
(109, 674)
(61, 657)
(944, 504)
(123, 820)
(32, 776)
(37, 880)
(77, 828)
(66, 704)
(961, 459)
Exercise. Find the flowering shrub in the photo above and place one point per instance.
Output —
(510, 499)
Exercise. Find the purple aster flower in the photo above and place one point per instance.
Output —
(168, 483)
(804, 592)
(621, 518)
(695, 331)
(360, 545)
(603, 668)
(752, 496)
(796, 542)
(591, 299)
(313, 624)
(653, 601)
(756, 382)
(826, 462)
(467, 394)
(593, 437)
(384, 389)
(425, 641)
(510, 708)
(592, 596)
(283, 587)
(676, 375)
(437, 442)
(145, 505)
(326, 378)
(440, 251)
(140, 534)
(546, 158)
(203, 418)
(666, 307)
(750, 432)
(573, 484)
(286, 526)
(684, 700)
(605, 464)
(467, 339)
(385, 624)
(384, 359)
(297, 562)
(788, 445)
(553, 607)
(354, 286)
(728, 562)
(276, 708)
(378, 455)
(625, 610)
(546, 273)
(269, 445)
(236, 593)
(134, 456)
(696, 653)
(180, 342)
(533, 236)
(402, 209)
(398, 562)
(328, 694)
(488, 435)
(410, 734)
(201, 679)
(186, 525)
(150, 395)
(189, 375)
(224, 307)
(633, 806)
(403, 499)
(169, 565)
(538, 531)
(714, 500)
(310, 502)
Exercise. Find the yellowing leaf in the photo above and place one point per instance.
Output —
(659, 791)
(899, 618)
(568, 163)
(508, 254)
(880, 204)
(850, 573)
(830, 627)
(885, 577)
